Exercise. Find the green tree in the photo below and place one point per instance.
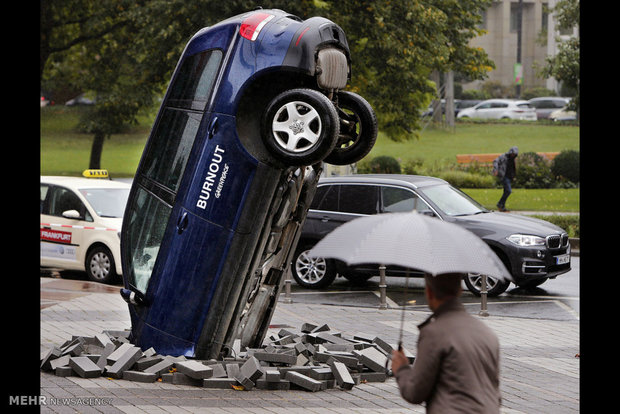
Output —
(124, 51)
(564, 65)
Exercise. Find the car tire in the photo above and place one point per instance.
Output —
(300, 127)
(100, 266)
(495, 287)
(312, 273)
(358, 129)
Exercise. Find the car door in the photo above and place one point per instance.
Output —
(62, 236)
(335, 204)
(483, 110)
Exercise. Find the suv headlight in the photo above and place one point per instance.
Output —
(526, 240)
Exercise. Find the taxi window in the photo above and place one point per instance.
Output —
(63, 199)
(44, 190)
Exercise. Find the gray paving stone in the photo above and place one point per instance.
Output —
(303, 381)
(84, 367)
(194, 369)
(125, 362)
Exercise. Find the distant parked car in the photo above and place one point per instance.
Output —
(459, 104)
(545, 105)
(79, 100)
(500, 109)
(563, 115)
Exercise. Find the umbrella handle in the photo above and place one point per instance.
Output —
(388, 371)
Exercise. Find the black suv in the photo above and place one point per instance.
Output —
(533, 250)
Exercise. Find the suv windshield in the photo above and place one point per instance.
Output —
(107, 202)
(452, 201)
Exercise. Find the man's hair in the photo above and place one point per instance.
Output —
(444, 285)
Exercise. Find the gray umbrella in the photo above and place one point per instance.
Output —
(411, 240)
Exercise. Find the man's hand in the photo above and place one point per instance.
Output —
(398, 360)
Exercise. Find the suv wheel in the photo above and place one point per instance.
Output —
(495, 287)
(100, 265)
(300, 127)
(312, 272)
(358, 129)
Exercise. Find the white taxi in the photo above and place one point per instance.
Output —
(81, 223)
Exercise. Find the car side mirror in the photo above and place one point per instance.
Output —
(71, 214)
(428, 213)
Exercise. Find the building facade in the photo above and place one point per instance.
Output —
(538, 40)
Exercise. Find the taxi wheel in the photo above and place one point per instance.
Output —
(358, 129)
(100, 266)
(300, 127)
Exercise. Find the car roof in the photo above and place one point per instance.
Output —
(81, 182)
(552, 98)
(414, 181)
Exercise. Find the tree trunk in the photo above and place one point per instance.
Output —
(95, 151)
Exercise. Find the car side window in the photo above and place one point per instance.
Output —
(499, 105)
(484, 106)
(63, 199)
(44, 190)
(358, 199)
(401, 200)
(326, 198)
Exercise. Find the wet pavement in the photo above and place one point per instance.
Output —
(539, 338)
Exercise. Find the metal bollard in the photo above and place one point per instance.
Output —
(483, 297)
(382, 286)
(287, 287)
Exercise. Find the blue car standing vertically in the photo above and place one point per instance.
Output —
(253, 109)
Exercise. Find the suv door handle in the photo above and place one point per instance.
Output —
(212, 130)
(182, 222)
(324, 219)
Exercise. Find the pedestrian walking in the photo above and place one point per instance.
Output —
(504, 168)
(456, 368)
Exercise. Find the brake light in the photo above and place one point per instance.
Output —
(251, 27)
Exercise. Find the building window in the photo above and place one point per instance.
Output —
(514, 17)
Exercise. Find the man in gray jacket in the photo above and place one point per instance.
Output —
(456, 369)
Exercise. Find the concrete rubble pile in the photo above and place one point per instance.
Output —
(314, 359)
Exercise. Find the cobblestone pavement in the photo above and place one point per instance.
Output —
(539, 370)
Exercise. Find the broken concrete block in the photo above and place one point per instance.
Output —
(275, 357)
(84, 367)
(320, 328)
(118, 352)
(308, 327)
(232, 370)
(372, 358)
(60, 362)
(387, 348)
(320, 373)
(341, 374)
(48, 356)
(218, 370)
(125, 362)
(272, 375)
(139, 376)
(194, 369)
(373, 376)
(103, 358)
(333, 339)
(364, 337)
(302, 360)
(303, 381)
(102, 339)
(145, 362)
(251, 369)
(178, 378)
(220, 383)
(73, 348)
(161, 367)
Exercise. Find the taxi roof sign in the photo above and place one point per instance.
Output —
(95, 173)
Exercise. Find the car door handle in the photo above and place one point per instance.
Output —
(182, 222)
(324, 219)
(212, 130)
